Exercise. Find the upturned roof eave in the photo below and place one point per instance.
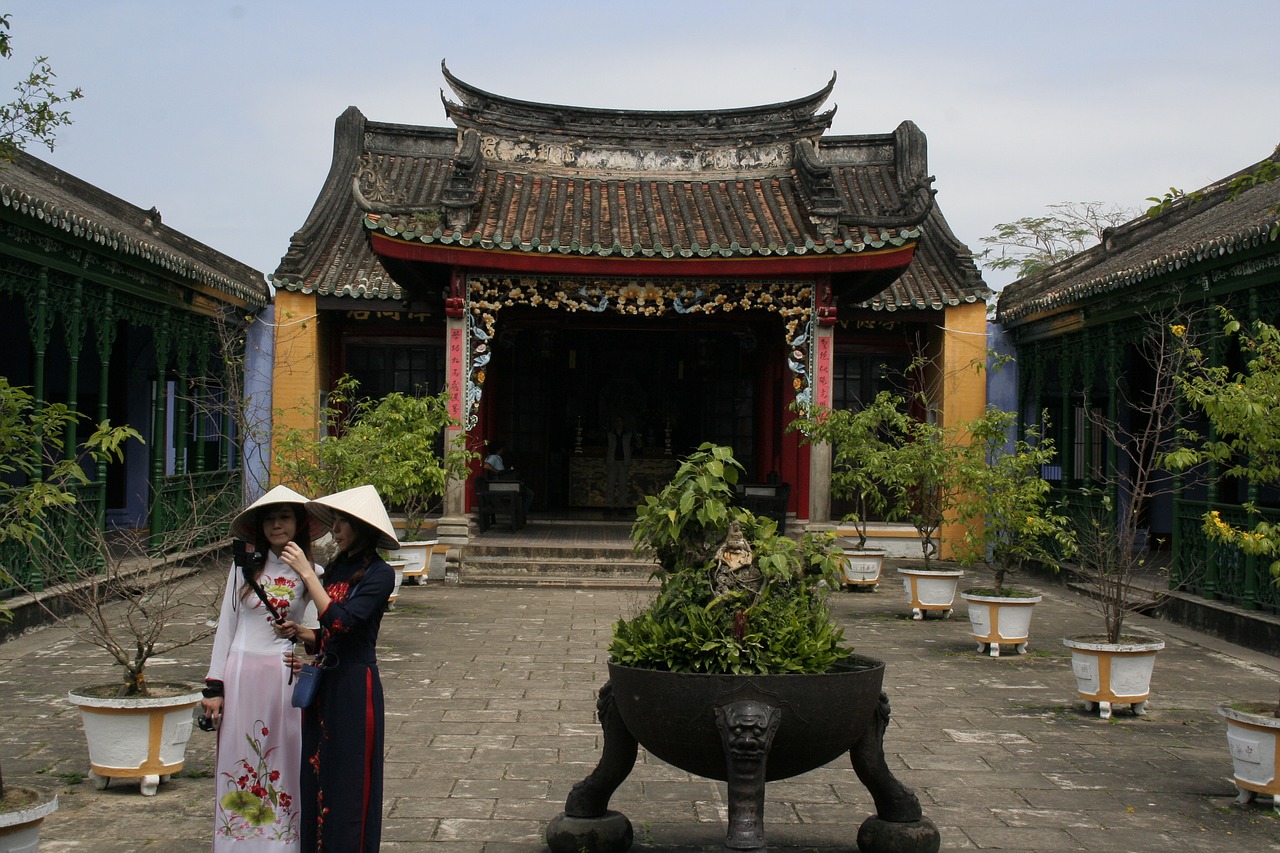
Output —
(578, 263)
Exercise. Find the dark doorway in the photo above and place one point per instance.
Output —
(557, 382)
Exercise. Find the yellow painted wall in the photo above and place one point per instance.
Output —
(297, 378)
(962, 346)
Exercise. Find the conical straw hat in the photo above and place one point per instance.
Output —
(243, 526)
(363, 503)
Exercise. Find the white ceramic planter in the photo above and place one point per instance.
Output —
(135, 737)
(934, 589)
(997, 619)
(1255, 754)
(1113, 673)
(397, 566)
(861, 568)
(425, 558)
(20, 830)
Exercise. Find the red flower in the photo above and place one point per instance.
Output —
(274, 776)
(265, 732)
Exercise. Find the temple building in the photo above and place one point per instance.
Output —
(695, 274)
(105, 309)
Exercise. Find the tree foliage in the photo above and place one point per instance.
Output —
(1032, 243)
(1005, 506)
(396, 444)
(1244, 440)
(38, 111)
(866, 465)
(36, 475)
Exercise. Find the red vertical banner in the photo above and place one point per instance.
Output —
(457, 373)
(822, 371)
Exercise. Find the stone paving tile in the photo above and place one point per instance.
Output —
(491, 720)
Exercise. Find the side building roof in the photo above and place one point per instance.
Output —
(1223, 219)
(48, 197)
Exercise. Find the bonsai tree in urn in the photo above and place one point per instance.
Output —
(766, 615)
(736, 672)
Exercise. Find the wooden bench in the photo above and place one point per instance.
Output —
(496, 498)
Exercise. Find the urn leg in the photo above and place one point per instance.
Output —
(899, 824)
(1104, 710)
(1139, 708)
(746, 733)
(587, 825)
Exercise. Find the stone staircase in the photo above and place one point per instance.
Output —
(568, 562)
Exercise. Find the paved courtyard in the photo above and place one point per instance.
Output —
(491, 719)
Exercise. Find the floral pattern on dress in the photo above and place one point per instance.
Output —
(253, 807)
(281, 592)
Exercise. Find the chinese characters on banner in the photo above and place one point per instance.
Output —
(822, 372)
(457, 373)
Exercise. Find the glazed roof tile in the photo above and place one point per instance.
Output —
(1202, 228)
(31, 188)
(532, 180)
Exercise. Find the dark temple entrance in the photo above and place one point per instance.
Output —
(556, 383)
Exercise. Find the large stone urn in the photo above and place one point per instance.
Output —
(745, 730)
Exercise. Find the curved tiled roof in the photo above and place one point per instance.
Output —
(31, 188)
(551, 190)
(1204, 227)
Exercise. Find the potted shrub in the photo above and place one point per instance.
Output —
(735, 672)
(1008, 523)
(33, 486)
(863, 457)
(396, 444)
(1244, 442)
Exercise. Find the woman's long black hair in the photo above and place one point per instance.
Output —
(302, 537)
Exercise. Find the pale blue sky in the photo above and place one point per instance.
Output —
(221, 114)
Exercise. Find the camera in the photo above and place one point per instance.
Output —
(204, 723)
(247, 557)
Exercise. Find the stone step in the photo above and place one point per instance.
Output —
(556, 567)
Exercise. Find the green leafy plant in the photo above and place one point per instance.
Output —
(1244, 437)
(395, 444)
(34, 115)
(37, 476)
(777, 623)
(1005, 506)
(866, 466)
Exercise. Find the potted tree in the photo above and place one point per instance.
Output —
(735, 672)
(863, 456)
(1243, 441)
(1112, 555)
(32, 486)
(138, 597)
(1008, 523)
(395, 444)
(925, 466)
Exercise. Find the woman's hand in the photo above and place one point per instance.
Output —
(297, 633)
(294, 557)
(212, 707)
